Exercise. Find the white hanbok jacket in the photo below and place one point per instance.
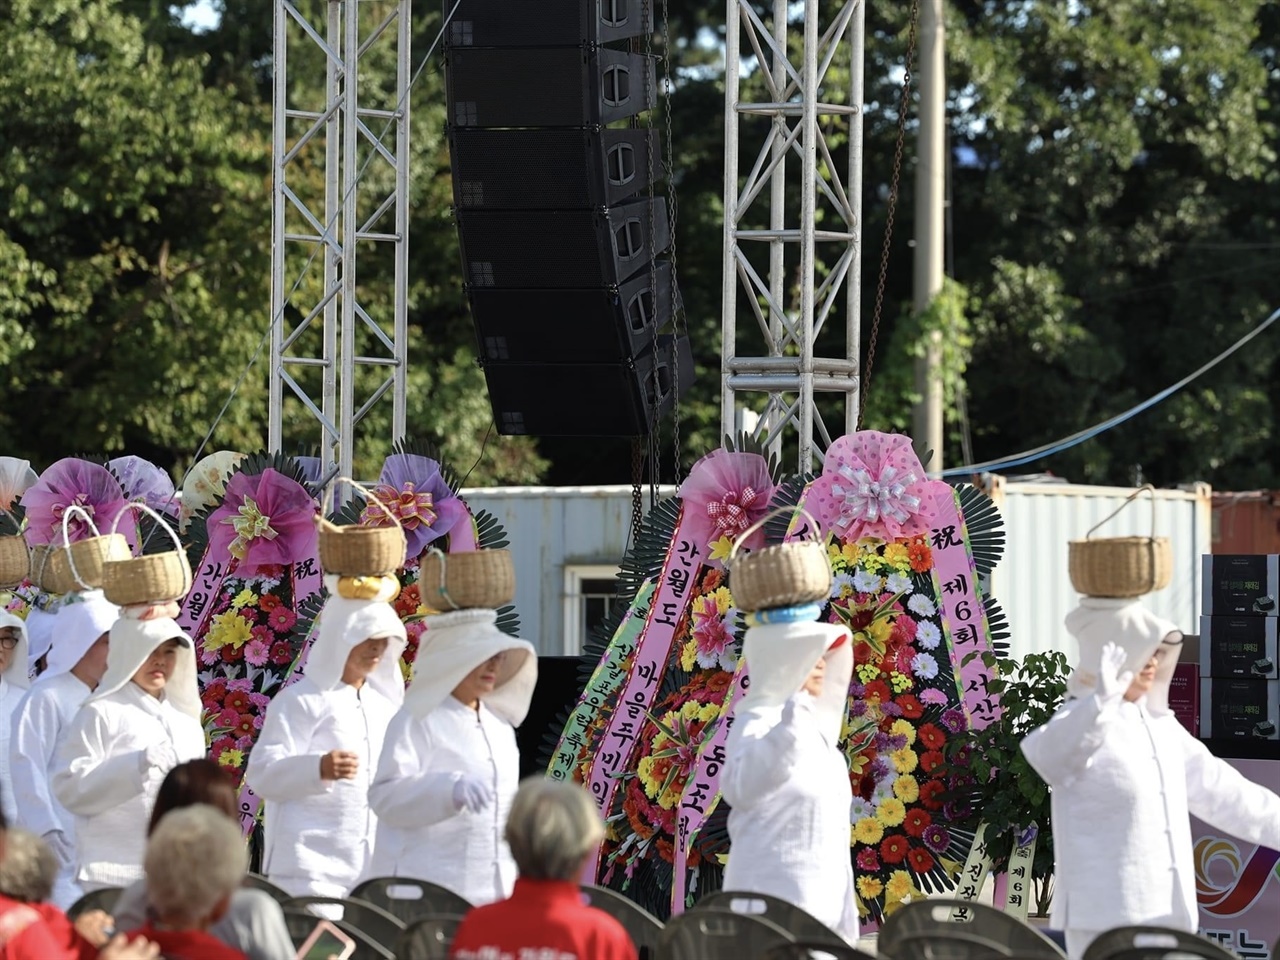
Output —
(105, 770)
(786, 780)
(1124, 777)
(434, 741)
(39, 723)
(319, 833)
(13, 686)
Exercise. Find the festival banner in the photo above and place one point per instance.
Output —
(1019, 890)
(973, 874)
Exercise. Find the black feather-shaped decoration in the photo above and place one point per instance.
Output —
(256, 463)
(746, 443)
(490, 533)
(985, 525)
(997, 627)
(508, 620)
(788, 494)
(645, 559)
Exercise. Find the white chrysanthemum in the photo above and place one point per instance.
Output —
(924, 666)
(928, 636)
(864, 581)
(896, 583)
(841, 585)
(860, 809)
(921, 606)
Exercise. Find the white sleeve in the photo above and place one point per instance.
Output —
(1060, 751)
(761, 752)
(1223, 797)
(90, 779)
(281, 766)
(32, 741)
(404, 793)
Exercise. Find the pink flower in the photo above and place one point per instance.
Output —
(259, 700)
(282, 619)
(257, 651)
(240, 685)
(868, 860)
(933, 697)
(262, 633)
(244, 744)
(228, 718)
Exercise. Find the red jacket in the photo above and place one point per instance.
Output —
(188, 944)
(543, 918)
(39, 931)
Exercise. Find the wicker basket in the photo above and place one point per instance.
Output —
(783, 575)
(15, 560)
(42, 566)
(469, 580)
(360, 551)
(148, 579)
(1121, 567)
(82, 565)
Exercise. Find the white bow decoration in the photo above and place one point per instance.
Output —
(870, 498)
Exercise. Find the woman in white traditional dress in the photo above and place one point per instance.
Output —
(320, 742)
(141, 722)
(1125, 775)
(77, 661)
(14, 681)
(785, 777)
(450, 766)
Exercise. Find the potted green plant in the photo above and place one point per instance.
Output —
(999, 788)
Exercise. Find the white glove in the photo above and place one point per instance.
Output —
(1113, 679)
(471, 794)
(56, 841)
(159, 756)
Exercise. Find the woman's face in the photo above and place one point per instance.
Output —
(1145, 678)
(364, 658)
(481, 681)
(813, 683)
(9, 637)
(156, 670)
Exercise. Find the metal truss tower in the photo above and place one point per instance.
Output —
(793, 224)
(340, 193)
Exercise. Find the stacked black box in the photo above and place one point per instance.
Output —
(1239, 686)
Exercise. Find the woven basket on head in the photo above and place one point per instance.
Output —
(360, 551)
(149, 579)
(1121, 567)
(783, 575)
(42, 566)
(81, 565)
(468, 580)
(15, 560)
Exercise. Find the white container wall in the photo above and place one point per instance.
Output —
(561, 538)
(1031, 581)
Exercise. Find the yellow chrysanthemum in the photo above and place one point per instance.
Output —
(231, 758)
(868, 830)
(243, 599)
(896, 555)
(903, 728)
(899, 886)
(868, 672)
(900, 682)
(689, 655)
(869, 888)
(891, 811)
(906, 789)
(723, 599)
(904, 760)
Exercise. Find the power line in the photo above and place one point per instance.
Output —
(1048, 450)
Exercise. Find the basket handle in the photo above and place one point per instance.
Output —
(369, 496)
(177, 544)
(66, 539)
(1145, 488)
(444, 569)
(776, 511)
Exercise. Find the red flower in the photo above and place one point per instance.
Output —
(920, 860)
(920, 555)
(862, 652)
(929, 794)
(238, 701)
(281, 619)
(893, 848)
(878, 691)
(929, 760)
(409, 600)
(931, 736)
(904, 630)
(231, 653)
(215, 691)
(221, 746)
(268, 602)
(244, 727)
(718, 683)
(281, 652)
(916, 823)
(227, 718)
(910, 706)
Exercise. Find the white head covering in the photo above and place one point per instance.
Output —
(39, 634)
(344, 623)
(458, 642)
(81, 620)
(18, 672)
(780, 657)
(1135, 629)
(132, 641)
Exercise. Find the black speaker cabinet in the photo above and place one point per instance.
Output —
(547, 86)
(589, 399)
(581, 326)
(551, 168)
(546, 23)
(540, 249)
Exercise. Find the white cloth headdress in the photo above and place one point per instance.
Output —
(344, 623)
(18, 672)
(780, 657)
(39, 634)
(133, 641)
(80, 621)
(1135, 629)
(458, 642)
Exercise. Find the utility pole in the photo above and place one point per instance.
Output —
(930, 196)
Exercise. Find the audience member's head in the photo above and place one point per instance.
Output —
(195, 860)
(196, 781)
(29, 868)
(552, 828)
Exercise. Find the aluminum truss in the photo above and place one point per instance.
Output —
(321, 333)
(778, 264)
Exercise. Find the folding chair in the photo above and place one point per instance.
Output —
(1153, 943)
(409, 899)
(642, 926)
(428, 938)
(713, 934)
(104, 899)
(797, 922)
(945, 929)
(372, 921)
